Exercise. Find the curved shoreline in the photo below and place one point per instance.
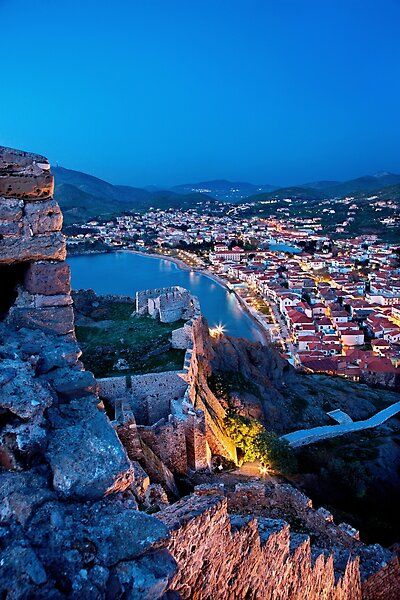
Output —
(264, 334)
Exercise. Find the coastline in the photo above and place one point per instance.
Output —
(264, 333)
(260, 326)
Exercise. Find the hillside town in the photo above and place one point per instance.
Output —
(330, 304)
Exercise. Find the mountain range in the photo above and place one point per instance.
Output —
(82, 196)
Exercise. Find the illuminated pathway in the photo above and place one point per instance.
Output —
(302, 437)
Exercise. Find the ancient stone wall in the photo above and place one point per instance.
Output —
(167, 304)
(69, 520)
(165, 418)
(202, 397)
(285, 502)
(32, 244)
(233, 556)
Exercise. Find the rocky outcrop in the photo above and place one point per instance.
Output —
(68, 513)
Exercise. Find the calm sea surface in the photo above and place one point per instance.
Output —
(127, 273)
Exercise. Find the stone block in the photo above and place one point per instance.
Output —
(35, 184)
(43, 217)
(10, 228)
(52, 319)
(38, 247)
(72, 383)
(42, 301)
(86, 458)
(24, 174)
(48, 278)
(11, 209)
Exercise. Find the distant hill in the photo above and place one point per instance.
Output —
(368, 183)
(320, 185)
(83, 197)
(223, 189)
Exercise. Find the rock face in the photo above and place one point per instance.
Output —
(69, 520)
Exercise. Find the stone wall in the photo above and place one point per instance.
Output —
(233, 556)
(167, 304)
(202, 397)
(165, 418)
(286, 502)
(30, 237)
(69, 520)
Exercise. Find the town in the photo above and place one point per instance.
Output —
(330, 304)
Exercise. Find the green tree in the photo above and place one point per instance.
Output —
(243, 432)
(256, 443)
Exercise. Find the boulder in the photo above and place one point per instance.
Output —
(86, 458)
(120, 533)
(21, 394)
(146, 578)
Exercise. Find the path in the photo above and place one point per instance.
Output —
(302, 437)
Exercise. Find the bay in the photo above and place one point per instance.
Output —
(127, 272)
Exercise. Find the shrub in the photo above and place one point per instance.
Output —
(256, 443)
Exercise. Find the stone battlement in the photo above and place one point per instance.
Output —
(232, 556)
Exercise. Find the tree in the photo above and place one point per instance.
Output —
(243, 432)
(256, 443)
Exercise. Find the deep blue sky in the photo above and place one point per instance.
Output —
(171, 91)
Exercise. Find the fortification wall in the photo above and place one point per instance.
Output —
(202, 397)
(233, 556)
(224, 557)
(168, 440)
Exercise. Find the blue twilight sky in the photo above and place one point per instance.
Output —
(173, 91)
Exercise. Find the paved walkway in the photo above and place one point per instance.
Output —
(302, 437)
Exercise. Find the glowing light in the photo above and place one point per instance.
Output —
(263, 470)
(217, 331)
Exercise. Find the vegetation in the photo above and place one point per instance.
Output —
(222, 384)
(347, 476)
(114, 342)
(256, 443)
